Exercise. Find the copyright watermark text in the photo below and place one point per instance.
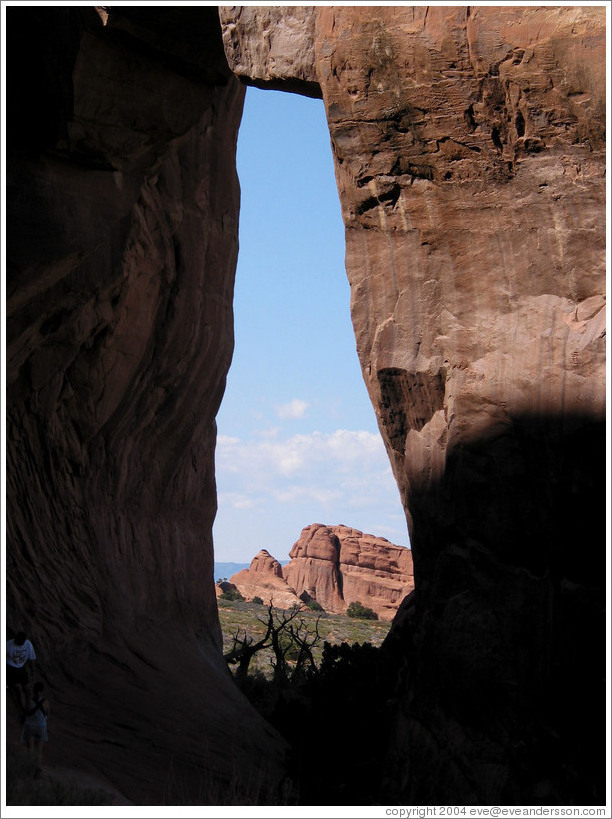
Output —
(420, 812)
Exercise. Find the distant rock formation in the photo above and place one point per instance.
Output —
(334, 565)
(264, 578)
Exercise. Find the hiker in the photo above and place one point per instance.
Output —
(34, 731)
(20, 660)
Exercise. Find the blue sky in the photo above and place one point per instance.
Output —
(298, 441)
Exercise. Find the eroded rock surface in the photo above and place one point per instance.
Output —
(338, 565)
(264, 578)
(469, 156)
(122, 239)
(334, 565)
(272, 46)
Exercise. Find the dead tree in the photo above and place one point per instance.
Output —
(280, 647)
(284, 635)
(306, 639)
(244, 649)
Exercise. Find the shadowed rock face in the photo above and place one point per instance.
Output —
(469, 155)
(122, 239)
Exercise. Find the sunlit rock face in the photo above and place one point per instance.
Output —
(338, 565)
(272, 46)
(334, 566)
(122, 215)
(469, 156)
(264, 579)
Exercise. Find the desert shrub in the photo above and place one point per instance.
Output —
(257, 600)
(232, 595)
(314, 606)
(357, 609)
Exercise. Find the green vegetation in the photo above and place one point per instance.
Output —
(250, 619)
(232, 595)
(305, 670)
(314, 606)
(258, 601)
(358, 610)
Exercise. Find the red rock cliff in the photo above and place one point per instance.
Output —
(334, 565)
(469, 147)
(338, 565)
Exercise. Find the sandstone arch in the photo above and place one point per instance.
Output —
(469, 147)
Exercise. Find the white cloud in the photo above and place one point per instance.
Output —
(226, 440)
(271, 486)
(236, 500)
(272, 432)
(342, 450)
(347, 464)
(299, 494)
(294, 409)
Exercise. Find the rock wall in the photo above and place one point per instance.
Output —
(122, 217)
(315, 567)
(374, 571)
(469, 155)
(338, 565)
(334, 565)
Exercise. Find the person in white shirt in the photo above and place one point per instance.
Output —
(20, 660)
